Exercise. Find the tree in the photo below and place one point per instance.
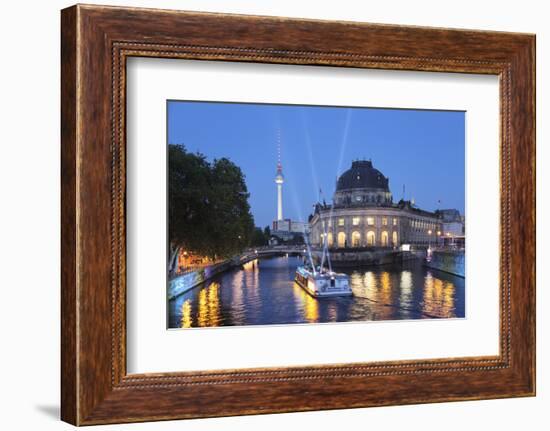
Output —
(208, 210)
(258, 238)
(233, 224)
(188, 181)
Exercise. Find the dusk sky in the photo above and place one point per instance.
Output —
(423, 150)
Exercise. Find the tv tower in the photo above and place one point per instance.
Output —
(279, 179)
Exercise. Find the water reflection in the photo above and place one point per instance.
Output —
(438, 296)
(309, 304)
(264, 292)
(186, 319)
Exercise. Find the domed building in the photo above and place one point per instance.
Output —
(363, 215)
(362, 184)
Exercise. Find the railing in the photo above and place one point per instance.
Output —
(197, 267)
(278, 248)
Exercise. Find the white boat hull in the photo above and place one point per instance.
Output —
(324, 284)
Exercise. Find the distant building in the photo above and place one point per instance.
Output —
(288, 225)
(287, 229)
(363, 214)
(452, 226)
(452, 223)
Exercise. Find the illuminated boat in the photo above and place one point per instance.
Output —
(322, 283)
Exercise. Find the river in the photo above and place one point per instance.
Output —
(264, 292)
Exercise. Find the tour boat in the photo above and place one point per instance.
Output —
(323, 283)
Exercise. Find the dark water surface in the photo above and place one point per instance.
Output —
(264, 292)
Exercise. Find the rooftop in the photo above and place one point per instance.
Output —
(362, 175)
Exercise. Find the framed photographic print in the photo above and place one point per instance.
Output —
(267, 215)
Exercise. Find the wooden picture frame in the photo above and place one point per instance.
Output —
(95, 43)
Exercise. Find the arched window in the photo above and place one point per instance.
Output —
(330, 239)
(356, 239)
(394, 239)
(371, 238)
(385, 239)
(341, 239)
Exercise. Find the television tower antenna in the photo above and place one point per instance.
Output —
(279, 179)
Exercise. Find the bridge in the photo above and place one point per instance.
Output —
(269, 251)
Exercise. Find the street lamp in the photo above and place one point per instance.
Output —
(430, 239)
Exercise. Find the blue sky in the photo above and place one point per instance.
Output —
(423, 150)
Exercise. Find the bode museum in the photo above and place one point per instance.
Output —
(363, 214)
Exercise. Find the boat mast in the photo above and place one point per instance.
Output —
(308, 249)
(325, 240)
(326, 253)
(324, 236)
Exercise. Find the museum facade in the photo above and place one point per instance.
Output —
(363, 214)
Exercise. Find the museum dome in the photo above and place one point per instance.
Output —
(362, 175)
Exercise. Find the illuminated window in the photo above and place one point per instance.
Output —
(342, 239)
(394, 239)
(370, 221)
(341, 222)
(330, 239)
(395, 221)
(385, 221)
(371, 238)
(329, 222)
(384, 238)
(356, 239)
(356, 220)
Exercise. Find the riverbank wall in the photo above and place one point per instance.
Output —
(185, 282)
(451, 261)
(355, 258)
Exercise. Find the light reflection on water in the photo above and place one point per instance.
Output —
(264, 292)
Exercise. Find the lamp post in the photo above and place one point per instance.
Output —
(430, 239)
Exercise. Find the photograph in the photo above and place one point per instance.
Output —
(297, 214)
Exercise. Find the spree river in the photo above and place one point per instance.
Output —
(264, 292)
